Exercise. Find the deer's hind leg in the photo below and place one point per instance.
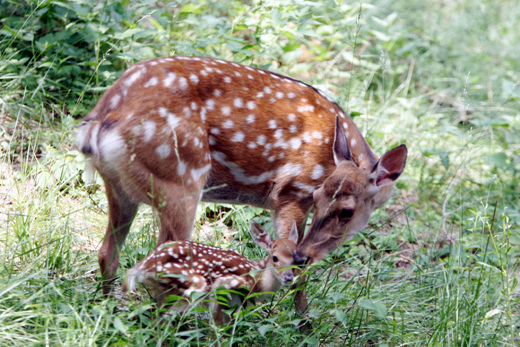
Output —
(121, 212)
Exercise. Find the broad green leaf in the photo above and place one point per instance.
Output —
(378, 308)
(119, 325)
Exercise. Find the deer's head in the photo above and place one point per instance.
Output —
(346, 199)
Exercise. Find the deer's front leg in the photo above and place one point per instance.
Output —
(296, 210)
(285, 214)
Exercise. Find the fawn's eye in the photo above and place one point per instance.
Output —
(346, 213)
(275, 259)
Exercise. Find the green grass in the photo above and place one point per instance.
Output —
(437, 265)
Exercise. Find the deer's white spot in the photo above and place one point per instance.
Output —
(291, 117)
(260, 140)
(173, 120)
(327, 140)
(251, 105)
(279, 95)
(187, 112)
(250, 77)
(306, 137)
(133, 77)
(194, 106)
(238, 103)
(306, 108)
(226, 110)
(317, 134)
(251, 145)
(289, 169)
(197, 174)
(210, 104)
(151, 82)
(203, 114)
(194, 78)
(250, 118)
(149, 130)
(228, 124)
(280, 143)
(183, 83)
(278, 134)
(291, 95)
(163, 150)
(272, 124)
(259, 95)
(271, 158)
(181, 170)
(115, 101)
(267, 90)
(345, 125)
(238, 74)
(295, 142)
(227, 79)
(215, 131)
(353, 143)
(169, 79)
(317, 172)
(293, 128)
(361, 157)
(238, 137)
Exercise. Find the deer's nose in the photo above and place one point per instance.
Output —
(299, 257)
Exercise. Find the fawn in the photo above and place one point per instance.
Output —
(182, 267)
(173, 131)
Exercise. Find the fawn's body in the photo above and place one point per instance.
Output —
(183, 267)
(173, 131)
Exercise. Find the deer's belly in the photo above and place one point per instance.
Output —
(222, 187)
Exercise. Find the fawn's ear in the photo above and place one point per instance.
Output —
(293, 235)
(390, 166)
(260, 235)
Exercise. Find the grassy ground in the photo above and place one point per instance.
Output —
(437, 265)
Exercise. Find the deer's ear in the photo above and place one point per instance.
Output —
(260, 235)
(293, 235)
(341, 149)
(390, 166)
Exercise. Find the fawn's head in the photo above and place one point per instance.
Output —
(280, 254)
(346, 199)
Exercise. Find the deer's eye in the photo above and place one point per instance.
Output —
(275, 259)
(346, 213)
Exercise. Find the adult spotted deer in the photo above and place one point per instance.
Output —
(171, 132)
(183, 267)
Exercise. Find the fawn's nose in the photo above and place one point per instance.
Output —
(287, 277)
(299, 257)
